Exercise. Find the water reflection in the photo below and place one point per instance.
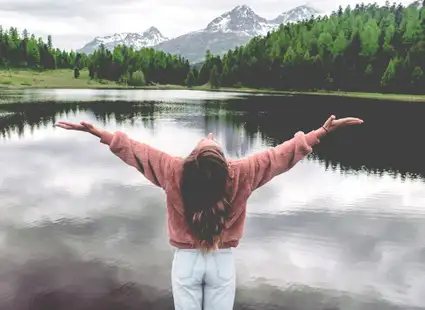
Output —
(110, 95)
(386, 142)
(79, 230)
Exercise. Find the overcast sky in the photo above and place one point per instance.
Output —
(72, 23)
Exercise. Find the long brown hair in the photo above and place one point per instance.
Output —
(206, 194)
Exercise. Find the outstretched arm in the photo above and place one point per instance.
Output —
(155, 165)
(264, 166)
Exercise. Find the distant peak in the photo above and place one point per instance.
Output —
(242, 8)
(241, 19)
(153, 32)
(242, 11)
(153, 29)
(297, 14)
(305, 7)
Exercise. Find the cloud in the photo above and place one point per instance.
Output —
(65, 8)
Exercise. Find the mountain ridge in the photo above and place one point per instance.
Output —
(232, 28)
(148, 38)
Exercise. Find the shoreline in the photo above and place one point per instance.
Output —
(374, 96)
(18, 79)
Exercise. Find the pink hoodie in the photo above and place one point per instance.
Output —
(247, 175)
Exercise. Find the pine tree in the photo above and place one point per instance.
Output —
(49, 42)
(369, 70)
(225, 76)
(389, 77)
(204, 74)
(190, 80)
(91, 71)
(417, 80)
(214, 78)
(137, 79)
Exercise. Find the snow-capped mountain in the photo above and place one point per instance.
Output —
(297, 14)
(231, 29)
(149, 38)
(241, 19)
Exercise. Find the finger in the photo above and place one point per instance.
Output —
(70, 126)
(67, 123)
(63, 126)
(85, 124)
(210, 136)
(348, 122)
(352, 120)
(329, 121)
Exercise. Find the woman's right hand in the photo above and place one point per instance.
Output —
(332, 123)
(83, 126)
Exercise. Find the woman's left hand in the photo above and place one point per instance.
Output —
(83, 126)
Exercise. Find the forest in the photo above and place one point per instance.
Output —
(368, 48)
(123, 64)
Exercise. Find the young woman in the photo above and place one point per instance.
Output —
(206, 204)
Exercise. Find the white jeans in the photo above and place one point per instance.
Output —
(203, 281)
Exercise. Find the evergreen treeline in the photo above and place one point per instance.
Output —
(138, 67)
(123, 64)
(26, 51)
(367, 48)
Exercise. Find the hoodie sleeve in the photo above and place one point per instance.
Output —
(152, 163)
(264, 166)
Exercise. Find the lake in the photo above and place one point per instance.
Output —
(344, 229)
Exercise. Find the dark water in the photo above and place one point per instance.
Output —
(345, 229)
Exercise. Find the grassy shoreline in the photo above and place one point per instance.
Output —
(63, 79)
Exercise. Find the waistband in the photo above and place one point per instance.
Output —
(217, 251)
(225, 245)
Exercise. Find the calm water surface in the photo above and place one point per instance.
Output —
(345, 229)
